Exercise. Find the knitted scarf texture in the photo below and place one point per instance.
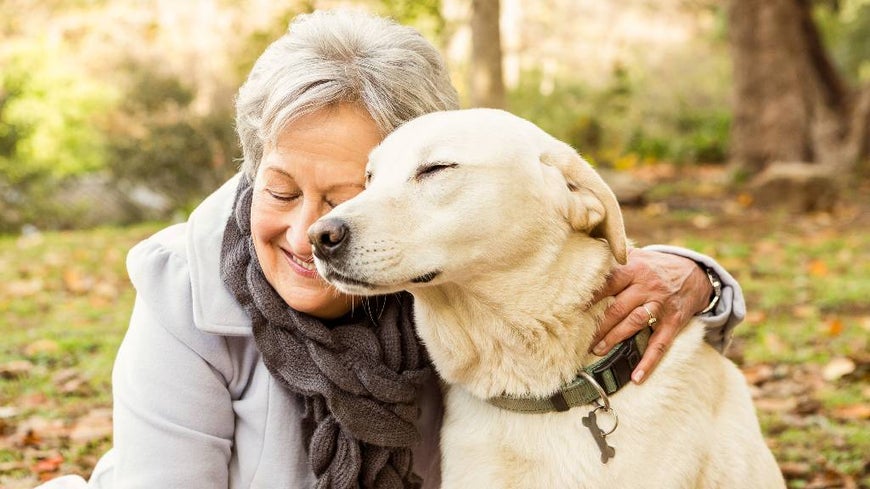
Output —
(357, 377)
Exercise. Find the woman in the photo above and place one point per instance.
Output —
(241, 368)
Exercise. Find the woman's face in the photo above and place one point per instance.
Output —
(317, 163)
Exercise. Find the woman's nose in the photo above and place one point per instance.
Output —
(305, 216)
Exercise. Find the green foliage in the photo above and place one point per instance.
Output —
(253, 45)
(49, 114)
(160, 142)
(845, 26)
(425, 15)
(701, 135)
(623, 122)
(50, 130)
(152, 91)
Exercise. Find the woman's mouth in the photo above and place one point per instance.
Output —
(303, 267)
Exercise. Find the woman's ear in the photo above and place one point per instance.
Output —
(591, 207)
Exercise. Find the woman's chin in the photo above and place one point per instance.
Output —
(325, 302)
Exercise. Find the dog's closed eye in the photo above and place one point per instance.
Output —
(430, 169)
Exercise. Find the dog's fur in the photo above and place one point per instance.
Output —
(502, 233)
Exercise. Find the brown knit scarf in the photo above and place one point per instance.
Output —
(358, 377)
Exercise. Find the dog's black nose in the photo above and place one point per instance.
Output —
(328, 236)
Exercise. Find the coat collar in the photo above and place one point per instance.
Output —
(215, 309)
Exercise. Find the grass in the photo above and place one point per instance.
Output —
(806, 280)
(64, 305)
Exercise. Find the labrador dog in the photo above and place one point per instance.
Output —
(502, 234)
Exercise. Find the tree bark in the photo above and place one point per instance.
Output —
(790, 102)
(487, 79)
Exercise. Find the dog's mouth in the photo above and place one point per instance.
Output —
(350, 284)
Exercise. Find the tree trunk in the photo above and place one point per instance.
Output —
(790, 102)
(487, 80)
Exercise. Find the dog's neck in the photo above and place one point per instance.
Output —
(520, 331)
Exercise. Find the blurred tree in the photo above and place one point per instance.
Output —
(425, 15)
(48, 112)
(791, 101)
(159, 142)
(487, 80)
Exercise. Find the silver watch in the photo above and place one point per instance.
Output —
(717, 290)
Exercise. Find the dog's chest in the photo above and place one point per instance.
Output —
(484, 446)
(488, 447)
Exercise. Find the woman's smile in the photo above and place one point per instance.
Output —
(304, 267)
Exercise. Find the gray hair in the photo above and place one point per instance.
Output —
(330, 57)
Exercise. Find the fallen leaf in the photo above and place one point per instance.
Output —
(15, 368)
(43, 346)
(702, 221)
(776, 405)
(817, 268)
(71, 381)
(744, 199)
(793, 470)
(838, 367)
(830, 479)
(47, 468)
(31, 439)
(851, 412)
(35, 399)
(50, 464)
(807, 405)
(656, 209)
(24, 288)
(7, 467)
(774, 344)
(76, 282)
(8, 412)
(835, 327)
(106, 290)
(96, 425)
(756, 317)
(32, 431)
(758, 374)
(804, 311)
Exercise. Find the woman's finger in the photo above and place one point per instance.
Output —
(619, 278)
(623, 304)
(659, 342)
(637, 319)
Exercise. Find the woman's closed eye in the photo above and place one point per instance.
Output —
(284, 197)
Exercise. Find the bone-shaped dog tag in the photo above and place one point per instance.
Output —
(591, 422)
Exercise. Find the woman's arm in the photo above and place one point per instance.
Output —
(672, 284)
(173, 416)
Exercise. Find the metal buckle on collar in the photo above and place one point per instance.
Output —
(598, 388)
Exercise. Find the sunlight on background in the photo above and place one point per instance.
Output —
(116, 117)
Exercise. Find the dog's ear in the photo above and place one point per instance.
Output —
(590, 205)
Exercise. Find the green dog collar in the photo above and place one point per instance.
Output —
(611, 373)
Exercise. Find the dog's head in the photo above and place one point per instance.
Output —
(453, 194)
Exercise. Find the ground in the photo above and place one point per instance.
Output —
(65, 301)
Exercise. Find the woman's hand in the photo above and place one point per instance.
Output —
(672, 288)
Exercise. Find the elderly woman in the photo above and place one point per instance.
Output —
(242, 368)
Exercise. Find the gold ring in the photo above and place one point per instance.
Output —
(652, 319)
